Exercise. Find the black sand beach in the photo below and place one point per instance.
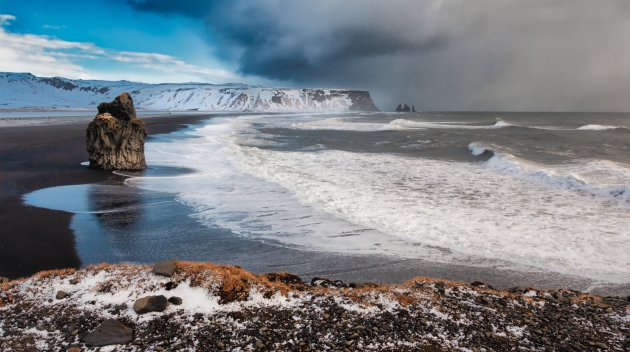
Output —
(33, 157)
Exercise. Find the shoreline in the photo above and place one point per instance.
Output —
(30, 155)
(40, 156)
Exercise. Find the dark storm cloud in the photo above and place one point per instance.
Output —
(450, 54)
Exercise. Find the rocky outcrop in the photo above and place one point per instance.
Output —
(406, 108)
(115, 138)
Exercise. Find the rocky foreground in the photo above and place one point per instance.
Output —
(204, 307)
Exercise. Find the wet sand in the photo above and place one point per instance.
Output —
(34, 157)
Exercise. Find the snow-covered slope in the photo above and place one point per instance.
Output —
(23, 91)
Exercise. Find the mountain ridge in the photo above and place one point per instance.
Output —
(26, 91)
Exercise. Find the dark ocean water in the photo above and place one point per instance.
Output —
(513, 198)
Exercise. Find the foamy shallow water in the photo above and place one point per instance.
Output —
(503, 211)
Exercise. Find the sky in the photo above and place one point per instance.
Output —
(508, 55)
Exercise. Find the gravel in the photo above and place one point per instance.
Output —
(226, 308)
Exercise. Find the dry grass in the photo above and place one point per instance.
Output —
(232, 283)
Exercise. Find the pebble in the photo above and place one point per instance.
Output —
(602, 305)
(175, 300)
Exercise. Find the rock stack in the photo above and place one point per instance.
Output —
(115, 138)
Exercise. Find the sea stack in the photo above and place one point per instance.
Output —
(115, 138)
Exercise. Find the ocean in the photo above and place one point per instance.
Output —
(544, 197)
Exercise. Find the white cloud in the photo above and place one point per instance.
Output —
(43, 55)
(52, 26)
(6, 19)
(170, 64)
(39, 55)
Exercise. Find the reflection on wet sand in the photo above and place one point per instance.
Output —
(114, 207)
(114, 222)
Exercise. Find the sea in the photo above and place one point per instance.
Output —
(513, 199)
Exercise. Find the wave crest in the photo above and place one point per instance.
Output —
(340, 123)
(598, 127)
(611, 177)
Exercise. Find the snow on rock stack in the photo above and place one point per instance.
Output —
(115, 138)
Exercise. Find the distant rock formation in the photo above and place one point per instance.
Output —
(405, 108)
(115, 138)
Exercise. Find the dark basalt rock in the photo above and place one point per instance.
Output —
(164, 268)
(323, 282)
(361, 100)
(115, 138)
(150, 304)
(121, 108)
(284, 278)
(175, 300)
(110, 332)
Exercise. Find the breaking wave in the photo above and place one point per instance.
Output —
(504, 211)
(599, 127)
(345, 124)
(596, 177)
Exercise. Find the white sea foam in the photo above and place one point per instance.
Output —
(477, 149)
(352, 124)
(340, 123)
(348, 123)
(598, 127)
(469, 213)
(223, 195)
(599, 178)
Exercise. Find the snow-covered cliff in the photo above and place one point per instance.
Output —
(23, 91)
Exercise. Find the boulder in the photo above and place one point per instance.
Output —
(164, 268)
(115, 138)
(110, 332)
(150, 304)
(61, 294)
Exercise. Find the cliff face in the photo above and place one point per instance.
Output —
(115, 138)
(361, 101)
(23, 90)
